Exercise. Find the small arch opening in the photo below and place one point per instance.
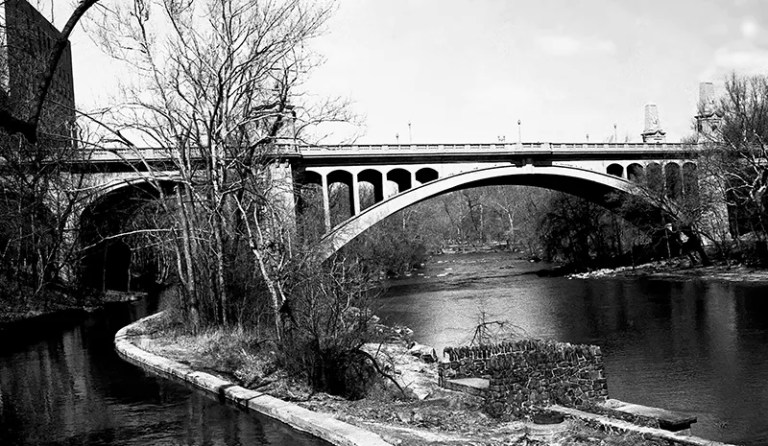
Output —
(340, 196)
(615, 170)
(690, 181)
(636, 173)
(426, 175)
(401, 179)
(371, 188)
(673, 181)
(654, 179)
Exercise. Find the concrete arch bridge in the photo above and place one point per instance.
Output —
(397, 176)
(402, 175)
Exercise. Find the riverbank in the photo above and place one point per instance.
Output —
(681, 269)
(425, 415)
(57, 305)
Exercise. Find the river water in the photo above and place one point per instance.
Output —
(61, 383)
(691, 346)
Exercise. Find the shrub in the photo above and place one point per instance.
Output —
(327, 320)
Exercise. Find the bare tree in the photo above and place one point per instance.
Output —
(219, 85)
(737, 149)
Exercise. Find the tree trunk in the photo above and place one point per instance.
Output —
(188, 249)
(261, 265)
(217, 180)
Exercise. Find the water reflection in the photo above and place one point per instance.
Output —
(62, 384)
(685, 345)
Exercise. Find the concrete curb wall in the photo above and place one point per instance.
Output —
(320, 425)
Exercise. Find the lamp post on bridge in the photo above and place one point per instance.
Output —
(519, 133)
(410, 135)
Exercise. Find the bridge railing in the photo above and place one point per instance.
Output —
(506, 147)
(160, 154)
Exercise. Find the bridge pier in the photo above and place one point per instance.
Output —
(281, 193)
(326, 204)
(355, 196)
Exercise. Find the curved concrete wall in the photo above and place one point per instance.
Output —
(320, 425)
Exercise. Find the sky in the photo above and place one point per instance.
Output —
(463, 71)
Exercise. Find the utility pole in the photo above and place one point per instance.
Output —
(519, 133)
(410, 136)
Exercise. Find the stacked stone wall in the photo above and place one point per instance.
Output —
(527, 374)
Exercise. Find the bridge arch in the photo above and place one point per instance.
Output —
(585, 183)
(107, 260)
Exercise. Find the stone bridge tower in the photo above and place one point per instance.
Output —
(653, 132)
(708, 117)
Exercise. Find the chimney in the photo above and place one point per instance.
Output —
(652, 132)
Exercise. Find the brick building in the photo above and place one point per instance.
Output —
(26, 41)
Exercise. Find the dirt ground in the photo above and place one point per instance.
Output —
(680, 269)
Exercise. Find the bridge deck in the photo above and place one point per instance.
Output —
(421, 152)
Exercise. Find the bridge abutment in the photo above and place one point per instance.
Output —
(281, 193)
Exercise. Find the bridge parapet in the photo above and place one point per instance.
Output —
(596, 148)
(291, 150)
(162, 154)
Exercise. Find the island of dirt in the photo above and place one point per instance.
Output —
(422, 413)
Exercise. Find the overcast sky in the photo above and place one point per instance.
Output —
(466, 71)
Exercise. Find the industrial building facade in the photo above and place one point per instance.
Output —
(26, 41)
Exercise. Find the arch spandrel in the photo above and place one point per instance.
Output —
(587, 184)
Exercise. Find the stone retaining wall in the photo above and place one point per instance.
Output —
(530, 373)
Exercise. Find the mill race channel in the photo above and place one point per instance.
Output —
(62, 383)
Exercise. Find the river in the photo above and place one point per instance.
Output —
(693, 346)
(61, 383)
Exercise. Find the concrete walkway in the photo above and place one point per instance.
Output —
(320, 425)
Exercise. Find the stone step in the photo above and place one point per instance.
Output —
(668, 419)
